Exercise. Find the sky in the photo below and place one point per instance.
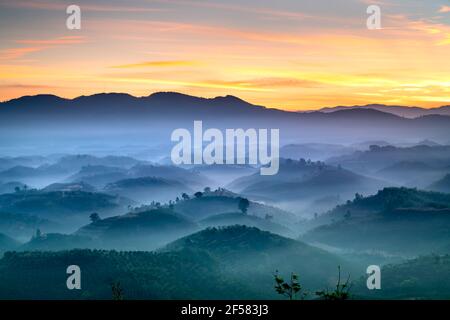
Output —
(286, 54)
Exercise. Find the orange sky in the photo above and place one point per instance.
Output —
(302, 56)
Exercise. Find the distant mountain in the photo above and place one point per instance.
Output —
(148, 189)
(378, 158)
(145, 230)
(396, 221)
(442, 185)
(411, 173)
(221, 175)
(67, 187)
(102, 116)
(38, 177)
(402, 111)
(314, 151)
(190, 178)
(99, 176)
(26, 161)
(238, 218)
(76, 162)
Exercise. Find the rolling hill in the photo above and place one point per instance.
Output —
(442, 185)
(401, 221)
(7, 243)
(148, 189)
(423, 278)
(254, 255)
(23, 226)
(144, 230)
(222, 201)
(59, 205)
(238, 218)
(299, 183)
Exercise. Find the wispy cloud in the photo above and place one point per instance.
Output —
(15, 53)
(27, 86)
(56, 41)
(54, 6)
(444, 9)
(38, 45)
(163, 63)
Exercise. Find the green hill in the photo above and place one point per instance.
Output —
(144, 230)
(210, 205)
(227, 263)
(23, 225)
(442, 185)
(148, 189)
(427, 277)
(238, 218)
(56, 242)
(142, 275)
(7, 243)
(252, 256)
(59, 204)
(395, 220)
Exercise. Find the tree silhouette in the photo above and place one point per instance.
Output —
(185, 196)
(198, 194)
(243, 205)
(289, 290)
(94, 217)
(117, 291)
(342, 291)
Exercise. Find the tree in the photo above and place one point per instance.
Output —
(342, 291)
(243, 205)
(198, 194)
(185, 196)
(17, 189)
(207, 190)
(117, 291)
(94, 217)
(347, 215)
(290, 289)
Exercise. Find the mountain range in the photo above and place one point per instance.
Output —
(402, 111)
(114, 117)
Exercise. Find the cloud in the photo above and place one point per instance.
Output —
(274, 82)
(26, 86)
(56, 41)
(52, 6)
(37, 45)
(163, 63)
(15, 53)
(444, 9)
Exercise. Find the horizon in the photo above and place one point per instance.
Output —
(284, 55)
(320, 109)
